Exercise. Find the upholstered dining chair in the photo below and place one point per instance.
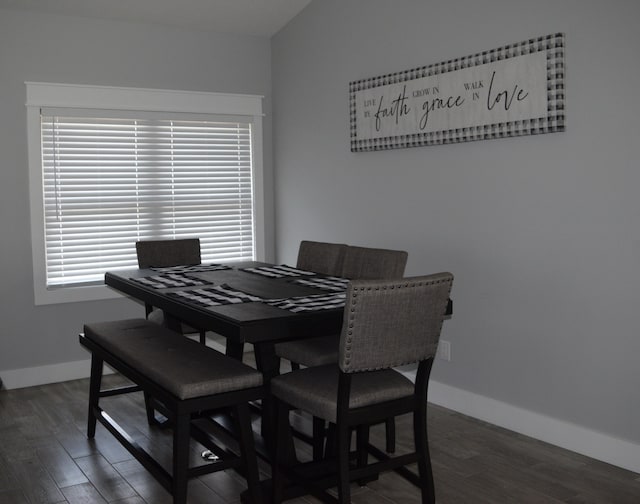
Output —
(167, 253)
(359, 263)
(387, 323)
(326, 259)
(164, 254)
(366, 263)
(321, 257)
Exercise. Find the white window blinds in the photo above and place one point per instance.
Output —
(110, 181)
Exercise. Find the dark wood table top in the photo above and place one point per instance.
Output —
(252, 322)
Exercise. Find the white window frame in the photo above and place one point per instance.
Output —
(127, 99)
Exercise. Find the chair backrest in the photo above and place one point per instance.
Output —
(324, 258)
(166, 253)
(389, 323)
(364, 263)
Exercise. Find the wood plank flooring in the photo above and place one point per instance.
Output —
(45, 458)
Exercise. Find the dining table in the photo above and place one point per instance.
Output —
(248, 303)
(245, 302)
(274, 303)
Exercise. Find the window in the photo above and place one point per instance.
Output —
(117, 165)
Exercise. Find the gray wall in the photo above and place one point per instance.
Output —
(542, 232)
(81, 51)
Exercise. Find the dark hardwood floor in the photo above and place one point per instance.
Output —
(46, 458)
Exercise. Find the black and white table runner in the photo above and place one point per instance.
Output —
(310, 303)
(224, 294)
(215, 296)
(168, 281)
(329, 283)
(280, 271)
(191, 268)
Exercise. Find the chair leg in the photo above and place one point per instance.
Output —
(94, 394)
(151, 415)
(362, 443)
(248, 453)
(295, 366)
(344, 438)
(181, 437)
(425, 472)
(390, 429)
(203, 337)
(319, 430)
(281, 456)
(330, 443)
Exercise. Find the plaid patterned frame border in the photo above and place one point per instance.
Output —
(554, 121)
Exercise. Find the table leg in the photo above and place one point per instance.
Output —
(171, 322)
(235, 349)
(269, 365)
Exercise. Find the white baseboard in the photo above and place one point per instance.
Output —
(566, 435)
(65, 371)
(53, 373)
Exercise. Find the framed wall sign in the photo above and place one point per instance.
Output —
(513, 90)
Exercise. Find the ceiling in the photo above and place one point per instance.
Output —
(262, 18)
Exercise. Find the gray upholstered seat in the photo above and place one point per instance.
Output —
(315, 389)
(387, 323)
(180, 365)
(164, 254)
(310, 351)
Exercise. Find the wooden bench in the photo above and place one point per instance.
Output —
(186, 381)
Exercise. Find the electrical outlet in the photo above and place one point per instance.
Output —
(444, 350)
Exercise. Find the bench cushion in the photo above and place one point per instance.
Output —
(183, 367)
